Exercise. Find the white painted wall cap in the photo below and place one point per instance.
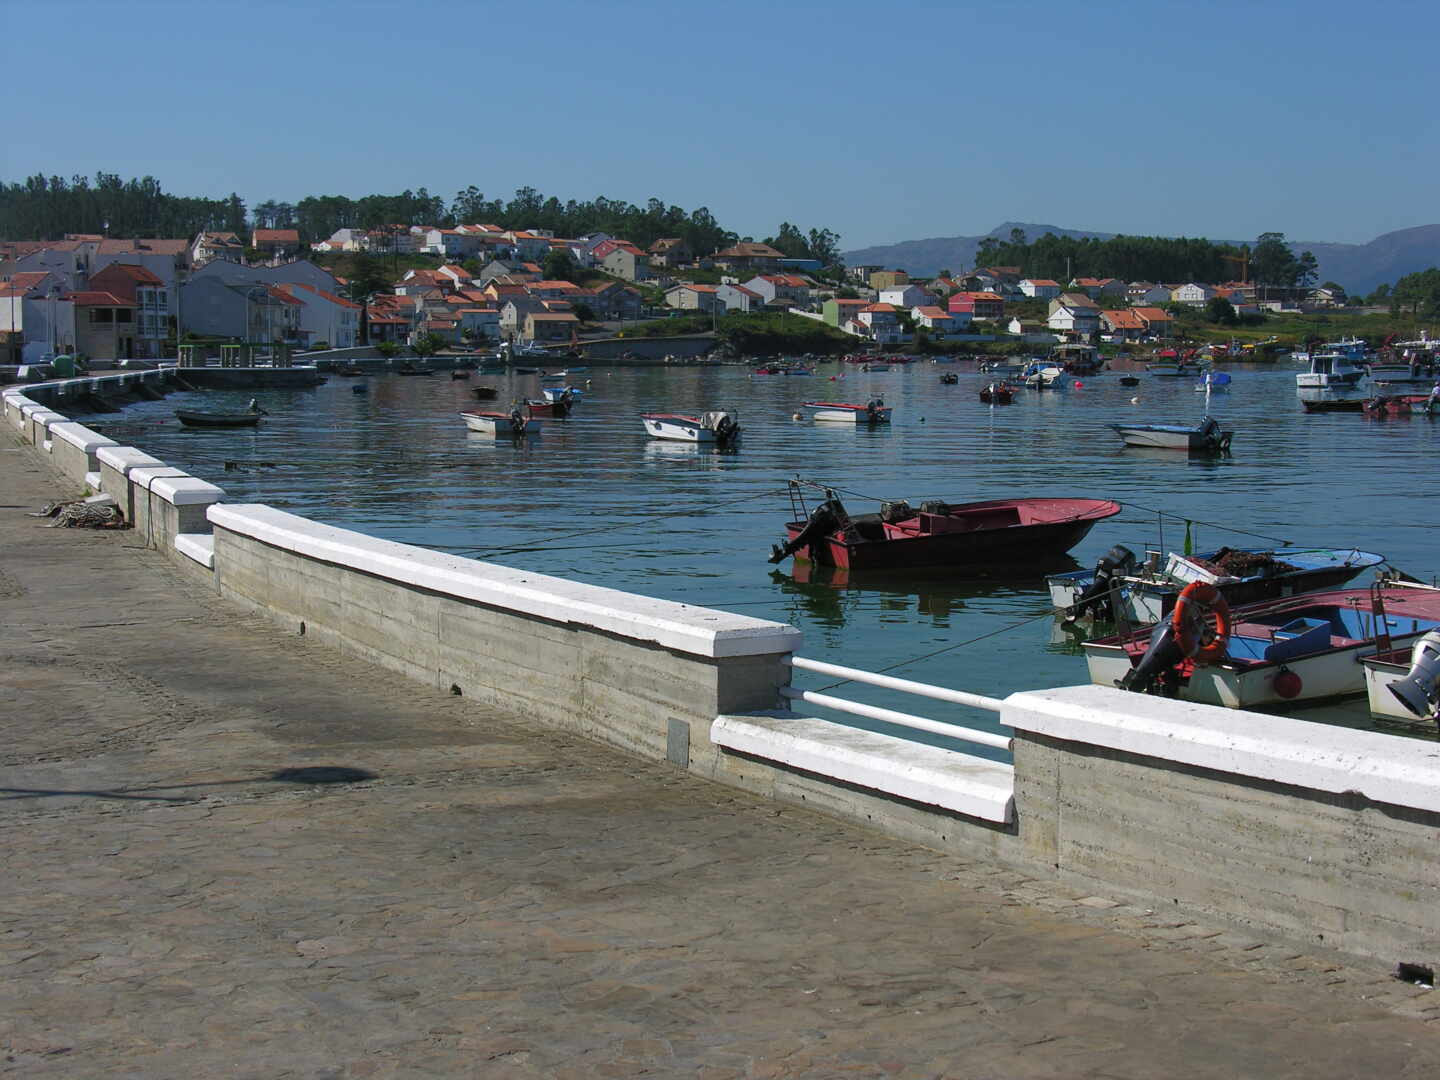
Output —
(185, 490)
(80, 436)
(682, 627)
(1385, 768)
(967, 784)
(145, 475)
(197, 546)
(124, 458)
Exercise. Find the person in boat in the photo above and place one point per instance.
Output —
(254, 407)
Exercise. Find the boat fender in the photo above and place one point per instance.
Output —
(1196, 601)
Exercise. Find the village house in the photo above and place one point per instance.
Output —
(623, 259)
(1158, 322)
(906, 296)
(780, 289)
(616, 301)
(748, 255)
(276, 244)
(861, 274)
(1193, 294)
(147, 294)
(1040, 288)
(104, 325)
(1074, 315)
(36, 322)
(837, 312)
(326, 316)
(550, 326)
(739, 298)
(881, 280)
(671, 251)
(933, 318)
(1096, 288)
(688, 296)
(979, 305)
(216, 245)
(514, 312)
(1147, 292)
(451, 243)
(417, 281)
(460, 277)
(1122, 324)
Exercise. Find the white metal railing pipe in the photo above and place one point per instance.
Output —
(939, 693)
(890, 716)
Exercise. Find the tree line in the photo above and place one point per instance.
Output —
(46, 208)
(1151, 258)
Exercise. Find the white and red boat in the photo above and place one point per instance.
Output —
(1277, 652)
(874, 411)
(716, 427)
(514, 422)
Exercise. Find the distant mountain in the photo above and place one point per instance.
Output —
(1359, 267)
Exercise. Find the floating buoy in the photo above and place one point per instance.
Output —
(797, 416)
(1079, 385)
(1134, 401)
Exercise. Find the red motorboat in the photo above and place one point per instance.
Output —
(1398, 404)
(964, 537)
(559, 408)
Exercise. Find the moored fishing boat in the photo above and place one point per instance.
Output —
(715, 427)
(1303, 648)
(1335, 404)
(1204, 437)
(559, 407)
(1118, 588)
(1340, 363)
(1383, 405)
(874, 411)
(486, 422)
(555, 393)
(962, 537)
(1404, 684)
(997, 393)
(1043, 375)
(199, 419)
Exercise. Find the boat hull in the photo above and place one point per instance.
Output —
(216, 420)
(1319, 638)
(1167, 437)
(839, 413)
(979, 536)
(484, 423)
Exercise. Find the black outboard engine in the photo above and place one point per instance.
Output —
(823, 520)
(1098, 599)
(1158, 664)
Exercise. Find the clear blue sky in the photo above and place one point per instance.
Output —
(882, 122)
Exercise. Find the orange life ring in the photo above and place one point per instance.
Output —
(1188, 622)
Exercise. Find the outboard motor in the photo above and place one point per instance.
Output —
(1419, 691)
(823, 520)
(1098, 599)
(1158, 663)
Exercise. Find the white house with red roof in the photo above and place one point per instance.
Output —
(774, 288)
(326, 316)
(35, 319)
(689, 296)
(740, 298)
(624, 260)
(906, 296)
(1192, 293)
(936, 319)
(979, 305)
(1040, 288)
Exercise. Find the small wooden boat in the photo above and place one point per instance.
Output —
(1204, 437)
(360, 388)
(559, 408)
(963, 537)
(949, 378)
(515, 422)
(459, 373)
(194, 418)
(874, 367)
(1044, 376)
(485, 393)
(1117, 589)
(411, 369)
(997, 393)
(874, 411)
(1339, 404)
(1213, 381)
(1129, 380)
(1304, 648)
(1384, 405)
(716, 427)
(350, 371)
(555, 393)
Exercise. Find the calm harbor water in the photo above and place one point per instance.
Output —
(592, 498)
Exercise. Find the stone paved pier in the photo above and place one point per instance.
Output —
(234, 853)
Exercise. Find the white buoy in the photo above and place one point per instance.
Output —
(1134, 401)
(797, 416)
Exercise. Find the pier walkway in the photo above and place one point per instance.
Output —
(232, 853)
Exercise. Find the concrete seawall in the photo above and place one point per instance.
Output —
(1318, 834)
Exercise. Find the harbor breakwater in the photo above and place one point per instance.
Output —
(1312, 833)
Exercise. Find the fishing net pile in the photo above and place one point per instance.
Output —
(1241, 564)
(82, 514)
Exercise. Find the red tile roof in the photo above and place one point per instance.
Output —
(277, 237)
(96, 299)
